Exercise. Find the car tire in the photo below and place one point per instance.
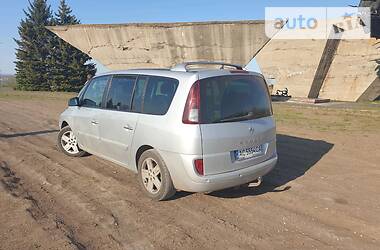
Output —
(154, 177)
(68, 143)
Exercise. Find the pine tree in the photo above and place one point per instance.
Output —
(33, 47)
(69, 66)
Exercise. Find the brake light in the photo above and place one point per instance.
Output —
(191, 113)
(199, 166)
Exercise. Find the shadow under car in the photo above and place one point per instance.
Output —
(296, 156)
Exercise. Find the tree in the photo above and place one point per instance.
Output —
(33, 47)
(44, 61)
(69, 66)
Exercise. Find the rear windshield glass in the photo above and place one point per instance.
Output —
(234, 98)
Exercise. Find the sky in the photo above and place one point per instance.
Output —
(124, 11)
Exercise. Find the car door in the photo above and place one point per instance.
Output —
(86, 124)
(116, 122)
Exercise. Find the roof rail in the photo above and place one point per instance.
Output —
(183, 66)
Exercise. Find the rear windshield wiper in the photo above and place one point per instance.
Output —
(236, 117)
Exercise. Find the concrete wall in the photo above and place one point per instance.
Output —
(292, 63)
(163, 45)
(353, 70)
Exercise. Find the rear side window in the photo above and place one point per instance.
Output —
(159, 93)
(120, 93)
(93, 96)
(234, 98)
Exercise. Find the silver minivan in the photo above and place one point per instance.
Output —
(196, 129)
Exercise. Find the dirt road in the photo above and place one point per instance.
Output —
(324, 194)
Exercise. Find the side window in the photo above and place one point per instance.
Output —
(120, 93)
(138, 95)
(93, 96)
(159, 94)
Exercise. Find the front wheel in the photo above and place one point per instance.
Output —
(68, 144)
(154, 177)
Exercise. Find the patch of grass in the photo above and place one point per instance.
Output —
(321, 118)
(9, 82)
(352, 117)
(10, 94)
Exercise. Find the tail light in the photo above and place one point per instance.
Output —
(199, 166)
(191, 113)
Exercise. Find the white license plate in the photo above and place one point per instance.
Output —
(248, 153)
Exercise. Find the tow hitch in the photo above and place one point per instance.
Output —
(256, 183)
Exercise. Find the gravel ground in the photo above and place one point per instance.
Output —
(323, 194)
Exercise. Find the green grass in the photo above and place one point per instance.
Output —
(10, 94)
(358, 117)
(10, 82)
(343, 117)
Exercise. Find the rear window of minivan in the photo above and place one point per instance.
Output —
(234, 98)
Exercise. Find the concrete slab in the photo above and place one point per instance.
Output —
(292, 63)
(309, 100)
(124, 46)
(352, 71)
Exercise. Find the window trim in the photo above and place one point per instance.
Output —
(104, 92)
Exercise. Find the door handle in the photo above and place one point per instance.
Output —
(127, 127)
(94, 122)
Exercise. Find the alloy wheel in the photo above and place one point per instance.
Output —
(69, 143)
(151, 175)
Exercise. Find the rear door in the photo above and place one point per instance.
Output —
(86, 124)
(117, 122)
(237, 126)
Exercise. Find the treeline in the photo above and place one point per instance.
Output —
(44, 61)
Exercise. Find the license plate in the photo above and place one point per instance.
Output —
(248, 153)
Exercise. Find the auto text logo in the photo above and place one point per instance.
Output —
(318, 22)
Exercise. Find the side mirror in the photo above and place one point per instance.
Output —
(73, 102)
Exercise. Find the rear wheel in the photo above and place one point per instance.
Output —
(154, 177)
(68, 144)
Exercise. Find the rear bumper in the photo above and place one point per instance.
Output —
(232, 179)
(184, 177)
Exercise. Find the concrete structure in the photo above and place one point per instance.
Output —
(292, 63)
(124, 46)
(353, 70)
(337, 69)
(347, 77)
